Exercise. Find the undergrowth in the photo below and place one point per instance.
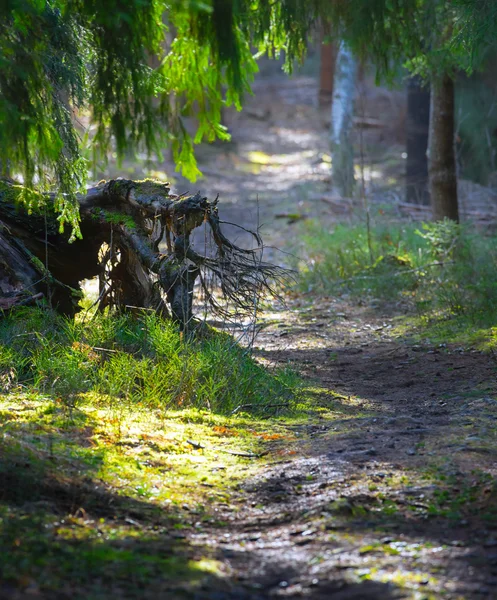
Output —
(134, 362)
(116, 437)
(444, 272)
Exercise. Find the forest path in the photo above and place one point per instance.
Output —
(276, 170)
(385, 493)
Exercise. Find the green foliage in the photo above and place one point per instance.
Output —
(428, 36)
(142, 362)
(442, 268)
(477, 32)
(442, 237)
(342, 260)
(58, 57)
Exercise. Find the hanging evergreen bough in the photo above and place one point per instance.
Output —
(123, 223)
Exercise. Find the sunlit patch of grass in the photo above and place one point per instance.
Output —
(404, 578)
(164, 458)
(439, 327)
(138, 363)
(97, 495)
(206, 565)
(445, 273)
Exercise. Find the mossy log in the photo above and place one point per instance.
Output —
(123, 224)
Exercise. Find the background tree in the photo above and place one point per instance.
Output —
(431, 38)
(342, 114)
(441, 152)
(417, 127)
(328, 54)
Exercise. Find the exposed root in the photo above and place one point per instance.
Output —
(124, 223)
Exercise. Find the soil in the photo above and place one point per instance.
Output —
(353, 507)
(388, 490)
(385, 493)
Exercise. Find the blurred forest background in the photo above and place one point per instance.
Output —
(276, 168)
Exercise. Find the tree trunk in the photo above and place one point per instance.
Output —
(123, 223)
(417, 125)
(442, 161)
(342, 112)
(328, 56)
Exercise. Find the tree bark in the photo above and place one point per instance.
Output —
(328, 56)
(442, 161)
(417, 125)
(342, 113)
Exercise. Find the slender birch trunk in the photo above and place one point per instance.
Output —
(442, 160)
(342, 112)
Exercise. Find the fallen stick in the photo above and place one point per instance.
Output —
(243, 406)
(196, 445)
(244, 454)
(199, 446)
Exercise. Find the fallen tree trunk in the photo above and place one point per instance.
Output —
(123, 223)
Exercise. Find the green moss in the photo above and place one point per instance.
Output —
(32, 200)
(116, 218)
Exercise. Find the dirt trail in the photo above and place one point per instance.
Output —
(384, 495)
(387, 492)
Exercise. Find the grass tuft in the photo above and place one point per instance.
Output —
(445, 273)
(134, 362)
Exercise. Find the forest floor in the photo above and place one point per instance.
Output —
(389, 491)
(382, 487)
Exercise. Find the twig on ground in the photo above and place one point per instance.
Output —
(244, 406)
(243, 454)
(196, 445)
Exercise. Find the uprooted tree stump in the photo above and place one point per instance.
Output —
(123, 224)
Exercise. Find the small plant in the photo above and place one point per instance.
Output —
(442, 237)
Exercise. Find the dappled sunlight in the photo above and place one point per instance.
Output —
(261, 158)
(367, 479)
(171, 459)
(394, 477)
(322, 423)
(368, 173)
(110, 491)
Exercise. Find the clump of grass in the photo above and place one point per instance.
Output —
(141, 361)
(444, 270)
(344, 259)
